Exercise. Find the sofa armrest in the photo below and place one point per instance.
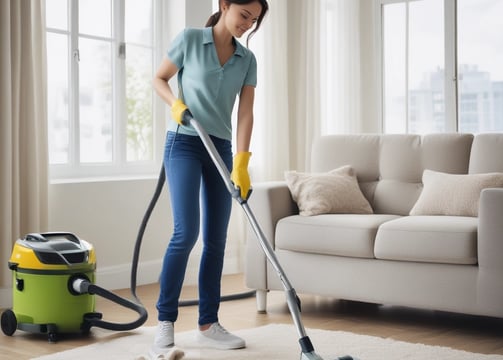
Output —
(490, 251)
(490, 230)
(269, 202)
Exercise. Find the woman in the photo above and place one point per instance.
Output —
(212, 69)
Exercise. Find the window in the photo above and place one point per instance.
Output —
(101, 56)
(440, 69)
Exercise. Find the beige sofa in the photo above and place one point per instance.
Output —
(442, 262)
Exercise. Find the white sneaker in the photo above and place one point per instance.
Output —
(219, 338)
(165, 335)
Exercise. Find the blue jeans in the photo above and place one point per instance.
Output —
(195, 185)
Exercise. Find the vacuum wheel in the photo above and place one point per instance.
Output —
(9, 322)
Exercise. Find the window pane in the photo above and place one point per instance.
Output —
(139, 103)
(95, 17)
(139, 22)
(394, 23)
(413, 47)
(480, 57)
(57, 97)
(426, 67)
(56, 14)
(95, 96)
(139, 72)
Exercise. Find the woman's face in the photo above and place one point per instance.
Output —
(241, 18)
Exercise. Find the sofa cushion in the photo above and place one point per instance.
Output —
(333, 192)
(436, 239)
(453, 194)
(332, 234)
(483, 157)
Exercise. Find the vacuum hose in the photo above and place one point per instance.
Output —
(83, 286)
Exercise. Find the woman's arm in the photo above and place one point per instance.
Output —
(164, 73)
(245, 119)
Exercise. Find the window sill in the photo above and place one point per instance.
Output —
(103, 179)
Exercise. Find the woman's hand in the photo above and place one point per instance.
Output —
(178, 110)
(240, 176)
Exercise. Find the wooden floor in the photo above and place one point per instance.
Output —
(475, 334)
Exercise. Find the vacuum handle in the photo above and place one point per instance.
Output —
(43, 237)
(35, 237)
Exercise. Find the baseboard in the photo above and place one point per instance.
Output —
(119, 276)
(5, 298)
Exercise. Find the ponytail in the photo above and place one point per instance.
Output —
(212, 21)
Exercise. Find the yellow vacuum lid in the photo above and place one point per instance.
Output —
(57, 250)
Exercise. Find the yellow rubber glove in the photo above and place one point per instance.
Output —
(239, 175)
(178, 108)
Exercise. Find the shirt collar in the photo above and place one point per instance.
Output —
(208, 39)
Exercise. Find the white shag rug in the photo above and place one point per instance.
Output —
(276, 341)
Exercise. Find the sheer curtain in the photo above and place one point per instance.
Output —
(304, 75)
(288, 92)
(341, 67)
(23, 125)
(308, 55)
(270, 145)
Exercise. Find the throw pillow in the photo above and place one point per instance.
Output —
(334, 192)
(453, 194)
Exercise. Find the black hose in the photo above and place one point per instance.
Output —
(141, 231)
(94, 321)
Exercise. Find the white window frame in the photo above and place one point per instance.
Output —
(74, 170)
(450, 80)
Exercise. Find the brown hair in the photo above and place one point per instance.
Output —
(213, 20)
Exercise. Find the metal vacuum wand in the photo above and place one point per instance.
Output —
(293, 300)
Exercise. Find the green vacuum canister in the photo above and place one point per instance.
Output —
(43, 266)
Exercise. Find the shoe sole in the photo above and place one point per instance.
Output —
(203, 340)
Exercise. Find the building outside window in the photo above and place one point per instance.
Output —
(441, 70)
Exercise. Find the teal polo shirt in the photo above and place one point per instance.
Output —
(208, 89)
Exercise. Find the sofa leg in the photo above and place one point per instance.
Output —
(261, 296)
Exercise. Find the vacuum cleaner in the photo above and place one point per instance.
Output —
(293, 301)
(53, 288)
